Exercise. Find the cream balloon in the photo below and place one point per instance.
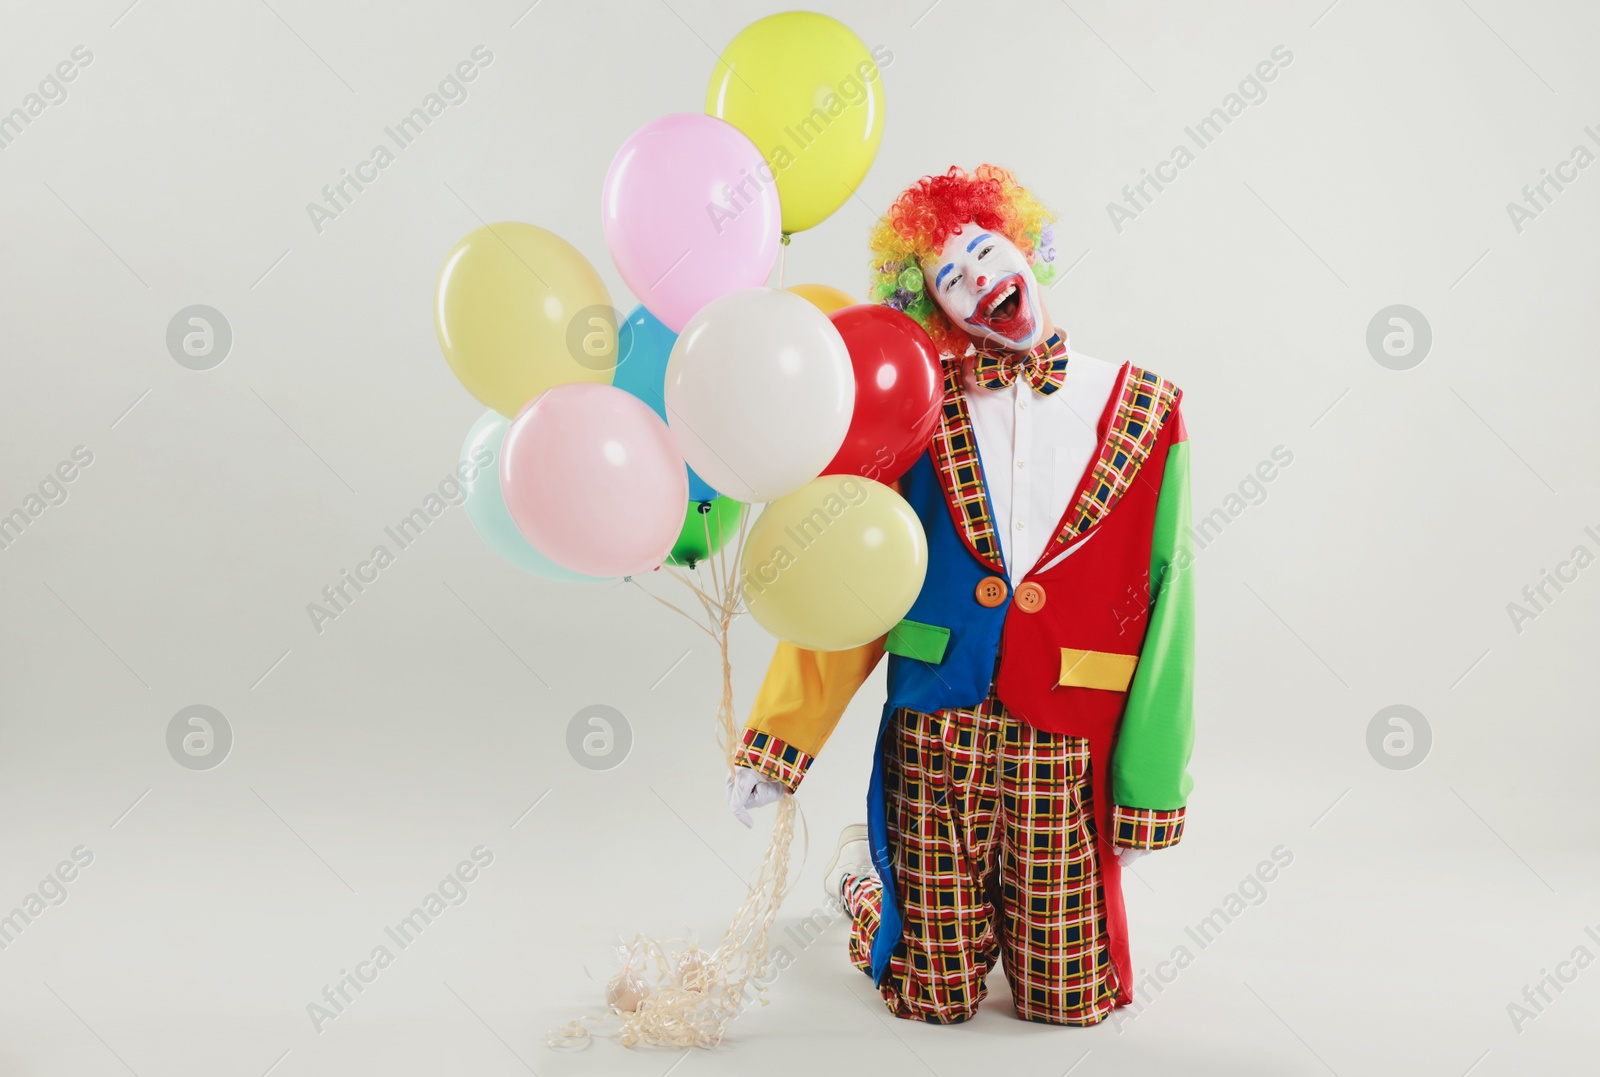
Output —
(516, 311)
(759, 393)
(835, 564)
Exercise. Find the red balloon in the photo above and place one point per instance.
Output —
(899, 388)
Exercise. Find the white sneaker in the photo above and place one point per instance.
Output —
(852, 856)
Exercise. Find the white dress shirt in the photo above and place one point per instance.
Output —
(1035, 450)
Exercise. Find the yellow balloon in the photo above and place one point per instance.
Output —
(518, 309)
(835, 564)
(824, 297)
(807, 92)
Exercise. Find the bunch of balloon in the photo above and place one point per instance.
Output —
(635, 446)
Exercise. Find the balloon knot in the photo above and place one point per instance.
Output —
(784, 239)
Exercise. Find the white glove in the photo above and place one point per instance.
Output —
(1128, 857)
(748, 789)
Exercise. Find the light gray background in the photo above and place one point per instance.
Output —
(426, 720)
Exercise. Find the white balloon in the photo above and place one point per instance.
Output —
(759, 393)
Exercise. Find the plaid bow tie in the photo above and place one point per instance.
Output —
(1044, 368)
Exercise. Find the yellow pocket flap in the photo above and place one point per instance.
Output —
(1097, 669)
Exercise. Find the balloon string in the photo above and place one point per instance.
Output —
(696, 995)
(707, 602)
(688, 617)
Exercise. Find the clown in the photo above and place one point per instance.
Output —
(1039, 720)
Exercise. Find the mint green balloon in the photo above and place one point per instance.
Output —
(486, 505)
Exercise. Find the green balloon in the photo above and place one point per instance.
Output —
(718, 519)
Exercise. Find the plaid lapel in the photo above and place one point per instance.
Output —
(955, 457)
(1139, 411)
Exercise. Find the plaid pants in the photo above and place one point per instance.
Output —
(991, 831)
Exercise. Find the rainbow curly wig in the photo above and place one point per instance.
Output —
(925, 215)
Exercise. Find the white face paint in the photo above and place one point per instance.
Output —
(985, 286)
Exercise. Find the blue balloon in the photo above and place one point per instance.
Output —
(486, 503)
(643, 347)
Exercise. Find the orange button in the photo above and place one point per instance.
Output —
(1030, 597)
(991, 591)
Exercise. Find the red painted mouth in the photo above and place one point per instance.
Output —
(1004, 310)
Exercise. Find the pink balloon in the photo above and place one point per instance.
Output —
(688, 215)
(594, 480)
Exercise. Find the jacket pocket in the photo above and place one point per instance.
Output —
(913, 639)
(1097, 669)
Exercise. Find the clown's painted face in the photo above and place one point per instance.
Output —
(985, 286)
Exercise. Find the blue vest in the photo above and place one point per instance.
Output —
(947, 600)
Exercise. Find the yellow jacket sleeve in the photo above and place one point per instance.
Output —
(801, 700)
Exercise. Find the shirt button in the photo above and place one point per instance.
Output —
(1021, 525)
(1023, 404)
(1022, 463)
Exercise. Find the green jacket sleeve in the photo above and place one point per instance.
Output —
(1150, 782)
